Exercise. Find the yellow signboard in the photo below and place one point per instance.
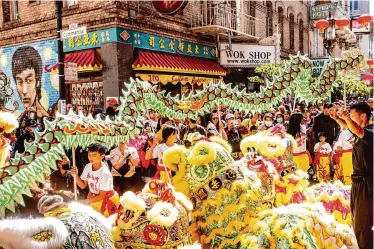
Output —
(175, 79)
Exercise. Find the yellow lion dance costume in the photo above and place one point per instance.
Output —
(236, 208)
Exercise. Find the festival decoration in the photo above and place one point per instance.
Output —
(365, 19)
(26, 169)
(321, 24)
(155, 218)
(335, 199)
(235, 203)
(342, 22)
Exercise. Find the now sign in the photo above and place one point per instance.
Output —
(245, 55)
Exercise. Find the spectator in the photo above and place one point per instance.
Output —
(124, 160)
(61, 180)
(238, 118)
(153, 120)
(111, 113)
(69, 107)
(279, 118)
(233, 135)
(268, 122)
(149, 167)
(192, 127)
(201, 121)
(169, 136)
(97, 177)
(286, 116)
(297, 129)
(251, 121)
(324, 123)
(370, 103)
(28, 136)
(215, 127)
(99, 113)
(253, 130)
(80, 109)
(322, 161)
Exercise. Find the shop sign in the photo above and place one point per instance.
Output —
(244, 55)
(71, 71)
(321, 11)
(90, 40)
(139, 40)
(169, 45)
(358, 28)
(175, 79)
(318, 65)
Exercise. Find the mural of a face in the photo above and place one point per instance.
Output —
(27, 70)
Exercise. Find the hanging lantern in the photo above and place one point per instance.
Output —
(370, 63)
(342, 23)
(364, 19)
(321, 24)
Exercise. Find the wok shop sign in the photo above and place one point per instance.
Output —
(244, 55)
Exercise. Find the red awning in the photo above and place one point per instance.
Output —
(87, 61)
(176, 63)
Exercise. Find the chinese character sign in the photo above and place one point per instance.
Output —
(25, 78)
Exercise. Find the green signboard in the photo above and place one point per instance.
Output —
(139, 40)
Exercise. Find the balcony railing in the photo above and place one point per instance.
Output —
(222, 19)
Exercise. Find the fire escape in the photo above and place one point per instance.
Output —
(222, 19)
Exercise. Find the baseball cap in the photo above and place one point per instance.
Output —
(31, 122)
(228, 116)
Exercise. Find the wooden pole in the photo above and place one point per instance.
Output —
(75, 177)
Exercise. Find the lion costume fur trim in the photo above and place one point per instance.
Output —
(18, 233)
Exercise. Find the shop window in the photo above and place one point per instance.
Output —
(292, 32)
(301, 36)
(280, 22)
(269, 18)
(89, 95)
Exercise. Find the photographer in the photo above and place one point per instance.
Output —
(234, 136)
(28, 136)
(124, 159)
(61, 180)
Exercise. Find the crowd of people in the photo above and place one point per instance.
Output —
(324, 146)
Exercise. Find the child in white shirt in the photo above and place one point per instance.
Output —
(97, 176)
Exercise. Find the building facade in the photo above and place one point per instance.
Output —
(177, 51)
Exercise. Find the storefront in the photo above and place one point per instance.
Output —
(174, 65)
(240, 60)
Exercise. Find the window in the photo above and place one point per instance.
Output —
(301, 36)
(252, 12)
(15, 10)
(10, 10)
(354, 5)
(269, 18)
(280, 22)
(69, 3)
(6, 11)
(292, 32)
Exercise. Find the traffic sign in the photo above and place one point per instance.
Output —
(71, 71)
(74, 32)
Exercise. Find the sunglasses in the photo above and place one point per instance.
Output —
(214, 118)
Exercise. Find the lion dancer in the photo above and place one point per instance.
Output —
(343, 157)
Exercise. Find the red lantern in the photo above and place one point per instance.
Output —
(342, 22)
(370, 63)
(321, 24)
(364, 19)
